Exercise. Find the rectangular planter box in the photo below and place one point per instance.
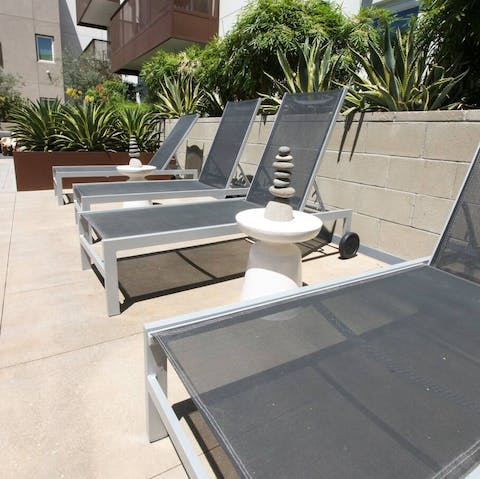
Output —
(33, 169)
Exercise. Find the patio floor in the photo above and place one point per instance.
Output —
(71, 378)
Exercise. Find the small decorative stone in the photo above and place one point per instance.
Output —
(134, 152)
(279, 208)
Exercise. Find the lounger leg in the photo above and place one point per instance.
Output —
(111, 279)
(57, 185)
(84, 231)
(155, 364)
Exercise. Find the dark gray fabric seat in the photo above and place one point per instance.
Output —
(375, 378)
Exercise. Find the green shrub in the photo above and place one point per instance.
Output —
(398, 75)
(88, 127)
(451, 30)
(140, 123)
(314, 71)
(179, 96)
(36, 125)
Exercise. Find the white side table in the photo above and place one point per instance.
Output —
(275, 262)
(136, 173)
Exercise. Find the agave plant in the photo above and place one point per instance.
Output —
(88, 127)
(398, 76)
(314, 71)
(179, 96)
(35, 124)
(141, 124)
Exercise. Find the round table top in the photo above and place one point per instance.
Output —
(127, 169)
(302, 227)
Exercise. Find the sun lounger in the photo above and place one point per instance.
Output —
(215, 178)
(304, 122)
(375, 376)
(160, 160)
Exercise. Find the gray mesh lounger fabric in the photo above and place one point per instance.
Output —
(128, 222)
(219, 166)
(371, 381)
(119, 188)
(379, 378)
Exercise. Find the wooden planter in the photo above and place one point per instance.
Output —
(33, 169)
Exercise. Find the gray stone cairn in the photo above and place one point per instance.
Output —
(279, 208)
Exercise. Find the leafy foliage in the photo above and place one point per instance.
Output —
(314, 72)
(10, 96)
(46, 126)
(451, 30)
(141, 124)
(36, 124)
(87, 127)
(244, 62)
(179, 96)
(85, 71)
(399, 76)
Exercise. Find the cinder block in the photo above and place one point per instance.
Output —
(400, 139)
(262, 128)
(348, 136)
(430, 116)
(367, 228)
(364, 168)
(252, 153)
(391, 205)
(380, 116)
(405, 174)
(431, 213)
(405, 241)
(338, 194)
(330, 165)
(472, 115)
(438, 178)
(460, 176)
(451, 141)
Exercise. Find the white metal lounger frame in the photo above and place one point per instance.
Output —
(58, 176)
(108, 268)
(85, 203)
(162, 420)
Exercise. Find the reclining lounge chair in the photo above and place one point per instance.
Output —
(215, 179)
(160, 160)
(304, 122)
(375, 376)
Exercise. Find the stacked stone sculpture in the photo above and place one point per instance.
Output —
(279, 208)
(134, 152)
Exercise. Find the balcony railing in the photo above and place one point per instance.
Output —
(140, 26)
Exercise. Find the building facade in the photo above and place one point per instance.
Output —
(33, 36)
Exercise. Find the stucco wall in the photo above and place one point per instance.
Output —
(399, 172)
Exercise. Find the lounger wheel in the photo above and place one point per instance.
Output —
(349, 244)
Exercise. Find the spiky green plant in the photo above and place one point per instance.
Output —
(398, 76)
(88, 127)
(179, 96)
(35, 124)
(142, 124)
(314, 71)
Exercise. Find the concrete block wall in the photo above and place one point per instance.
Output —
(400, 172)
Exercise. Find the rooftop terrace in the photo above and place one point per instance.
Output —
(71, 378)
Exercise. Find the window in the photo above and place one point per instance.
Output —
(44, 48)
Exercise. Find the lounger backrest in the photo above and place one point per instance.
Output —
(228, 144)
(304, 123)
(458, 250)
(170, 145)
